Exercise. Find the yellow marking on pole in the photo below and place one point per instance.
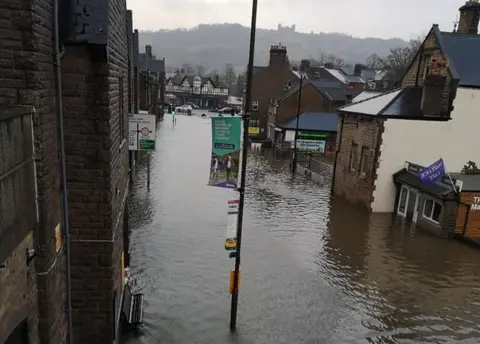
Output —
(232, 278)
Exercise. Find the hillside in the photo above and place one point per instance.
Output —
(215, 45)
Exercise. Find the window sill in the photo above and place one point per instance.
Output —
(431, 220)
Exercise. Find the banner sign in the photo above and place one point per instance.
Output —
(232, 218)
(310, 145)
(432, 173)
(226, 146)
(141, 132)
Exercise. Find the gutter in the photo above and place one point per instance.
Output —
(63, 181)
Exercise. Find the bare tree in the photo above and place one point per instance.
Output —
(374, 62)
(229, 75)
(331, 59)
(200, 70)
(397, 61)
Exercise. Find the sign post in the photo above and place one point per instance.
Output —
(142, 129)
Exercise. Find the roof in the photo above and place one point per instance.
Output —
(178, 79)
(355, 78)
(471, 182)
(463, 51)
(315, 121)
(338, 74)
(155, 66)
(333, 90)
(437, 189)
(403, 103)
(365, 95)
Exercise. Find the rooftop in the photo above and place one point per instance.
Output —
(439, 189)
(314, 121)
(470, 182)
(365, 95)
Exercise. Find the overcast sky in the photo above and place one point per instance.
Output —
(372, 18)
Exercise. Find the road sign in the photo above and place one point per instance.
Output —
(141, 132)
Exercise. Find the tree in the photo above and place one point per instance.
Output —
(229, 75)
(240, 85)
(397, 61)
(470, 168)
(200, 70)
(374, 62)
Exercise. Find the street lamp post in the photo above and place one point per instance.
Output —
(246, 120)
(294, 164)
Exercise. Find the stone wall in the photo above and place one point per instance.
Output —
(28, 81)
(95, 89)
(349, 183)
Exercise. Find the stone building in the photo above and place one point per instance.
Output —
(96, 79)
(430, 117)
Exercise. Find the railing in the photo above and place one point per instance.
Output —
(316, 162)
(18, 188)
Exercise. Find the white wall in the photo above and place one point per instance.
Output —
(423, 142)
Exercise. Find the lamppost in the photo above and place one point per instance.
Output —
(294, 164)
(246, 120)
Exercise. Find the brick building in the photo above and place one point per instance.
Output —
(429, 117)
(269, 82)
(151, 81)
(96, 77)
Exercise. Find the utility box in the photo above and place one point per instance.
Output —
(84, 21)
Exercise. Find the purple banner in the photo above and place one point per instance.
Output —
(432, 173)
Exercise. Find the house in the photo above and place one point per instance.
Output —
(432, 115)
(151, 81)
(448, 207)
(269, 82)
(202, 90)
(375, 79)
(316, 131)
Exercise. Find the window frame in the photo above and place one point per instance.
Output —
(353, 157)
(430, 217)
(426, 65)
(364, 161)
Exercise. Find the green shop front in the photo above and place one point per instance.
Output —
(317, 132)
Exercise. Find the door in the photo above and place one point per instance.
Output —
(412, 206)
(402, 201)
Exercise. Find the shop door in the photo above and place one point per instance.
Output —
(412, 206)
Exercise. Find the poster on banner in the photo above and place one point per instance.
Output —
(232, 218)
(141, 132)
(226, 147)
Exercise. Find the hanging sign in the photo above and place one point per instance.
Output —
(232, 218)
(226, 147)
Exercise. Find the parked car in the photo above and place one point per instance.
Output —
(194, 106)
(184, 109)
(225, 110)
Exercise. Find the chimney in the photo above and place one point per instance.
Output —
(469, 18)
(148, 50)
(328, 65)
(434, 87)
(357, 69)
(305, 65)
(278, 56)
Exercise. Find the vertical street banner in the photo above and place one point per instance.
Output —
(226, 147)
(232, 218)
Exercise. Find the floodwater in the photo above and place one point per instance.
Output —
(313, 270)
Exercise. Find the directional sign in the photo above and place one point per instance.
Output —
(141, 132)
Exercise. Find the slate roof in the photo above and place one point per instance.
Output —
(155, 66)
(365, 95)
(463, 52)
(314, 121)
(471, 182)
(177, 79)
(437, 189)
(334, 90)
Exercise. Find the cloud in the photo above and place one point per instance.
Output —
(373, 18)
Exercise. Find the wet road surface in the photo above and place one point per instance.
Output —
(313, 271)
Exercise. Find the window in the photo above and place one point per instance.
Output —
(353, 157)
(365, 161)
(402, 202)
(426, 66)
(432, 210)
(254, 123)
(121, 110)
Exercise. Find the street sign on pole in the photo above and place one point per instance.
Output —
(141, 132)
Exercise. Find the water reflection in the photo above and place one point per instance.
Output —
(315, 270)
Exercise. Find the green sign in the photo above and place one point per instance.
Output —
(148, 145)
(312, 134)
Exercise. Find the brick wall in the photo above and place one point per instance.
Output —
(95, 89)
(266, 84)
(27, 79)
(349, 183)
(312, 100)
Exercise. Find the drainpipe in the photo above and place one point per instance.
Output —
(342, 118)
(66, 225)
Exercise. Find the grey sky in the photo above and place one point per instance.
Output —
(373, 18)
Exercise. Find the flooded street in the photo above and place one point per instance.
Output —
(313, 271)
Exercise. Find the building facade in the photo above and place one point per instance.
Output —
(206, 92)
(430, 117)
(90, 91)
